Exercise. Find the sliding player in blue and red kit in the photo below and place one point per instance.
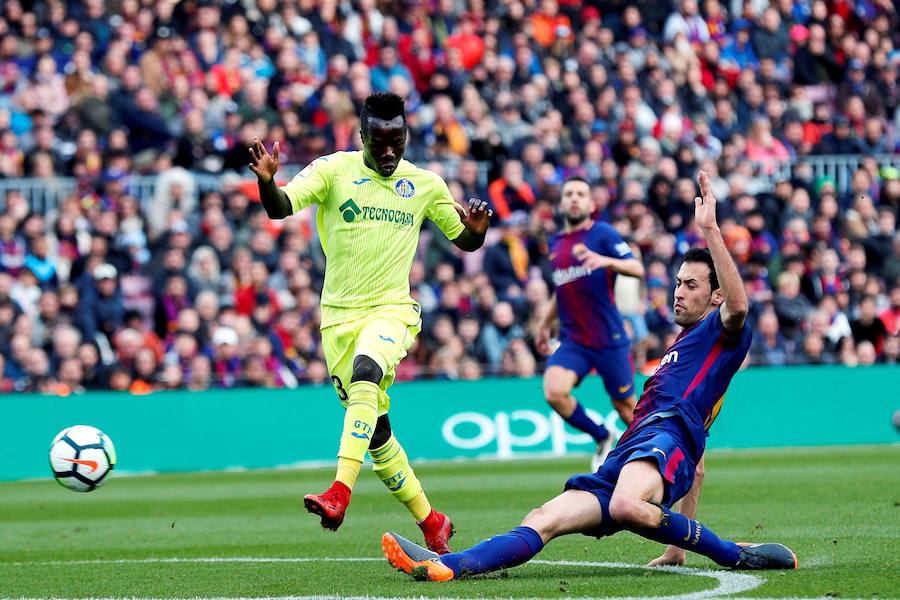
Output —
(653, 464)
(586, 257)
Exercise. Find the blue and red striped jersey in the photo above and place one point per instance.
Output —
(584, 299)
(692, 377)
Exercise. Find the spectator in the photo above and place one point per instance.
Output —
(147, 130)
(169, 305)
(738, 53)
(388, 66)
(890, 316)
(226, 363)
(868, 327)
(764, 148)
(769, 346)
(100, 308)
(866, 353)
(879, 245)
(12, 246)
(770, 38)
(814, 64)
(507, 262)
(510, 192)
(469, 369)
(200, 373)
(841, 140)
(813, 351)
(247, 297)
(467, 43)
(687, 22)
(449, 134)
(496, 335)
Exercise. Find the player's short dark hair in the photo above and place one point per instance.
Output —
(383, 105)
(702, 255)
(572, 178)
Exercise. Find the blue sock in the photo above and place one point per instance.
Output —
(581, 421)
(678, 530)
(499, 552)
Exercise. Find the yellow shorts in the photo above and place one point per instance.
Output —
(384, 335)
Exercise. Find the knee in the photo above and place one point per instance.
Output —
(382, 433)
(540, 520)
(628, 511)
(625, 406)
(699, 472)
(366, 369)
(557, 401)
(556, 394)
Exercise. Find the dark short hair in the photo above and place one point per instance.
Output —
(385, 106)
(702, 255)
(572, 178)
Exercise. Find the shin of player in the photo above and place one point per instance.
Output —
(654, 464)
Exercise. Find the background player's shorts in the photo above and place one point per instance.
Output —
(663, 442)
(384, 335)
(613, 364)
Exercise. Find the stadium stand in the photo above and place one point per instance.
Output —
(134, 254)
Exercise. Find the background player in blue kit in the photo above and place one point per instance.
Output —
(586, 257)
(653, 464)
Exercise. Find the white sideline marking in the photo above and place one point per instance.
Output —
(729, 582)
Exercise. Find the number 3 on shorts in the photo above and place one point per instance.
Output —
(339, 386)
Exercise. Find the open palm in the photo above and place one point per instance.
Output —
(477, 217)
(705, 203)
(262, 163)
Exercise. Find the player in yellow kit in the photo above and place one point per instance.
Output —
(371, 205)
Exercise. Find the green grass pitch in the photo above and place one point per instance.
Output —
(838, 508)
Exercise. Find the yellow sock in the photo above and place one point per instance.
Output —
(347, 471)
(392, 466)
(359, 425)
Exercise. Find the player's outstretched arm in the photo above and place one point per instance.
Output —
(550, 320)
(475, 218)
(734, 309)
(632, 267)
(265, 165)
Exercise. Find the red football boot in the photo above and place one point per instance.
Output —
(438, 530)
(329, 505)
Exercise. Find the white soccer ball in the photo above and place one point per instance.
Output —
(82, 457)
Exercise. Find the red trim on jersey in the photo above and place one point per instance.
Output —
(672, 464)
(610, 285)
(707, 364)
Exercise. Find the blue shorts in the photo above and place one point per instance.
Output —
(664, 442)
(614, 365)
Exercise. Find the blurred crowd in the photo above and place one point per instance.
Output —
(506, 99)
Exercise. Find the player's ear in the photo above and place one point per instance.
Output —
(718, 298)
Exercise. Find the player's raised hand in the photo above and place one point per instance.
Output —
(590, 259)
(476, 217)
(262, 163)
(705, 204)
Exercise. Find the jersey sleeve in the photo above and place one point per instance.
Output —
(442, 211)
(311, 185)
(612, 244)
(732, 339)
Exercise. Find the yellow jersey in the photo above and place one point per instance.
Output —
(369, 228)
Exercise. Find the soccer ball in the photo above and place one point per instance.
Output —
(81, 457)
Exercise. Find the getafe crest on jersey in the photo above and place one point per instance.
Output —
(405, 188)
